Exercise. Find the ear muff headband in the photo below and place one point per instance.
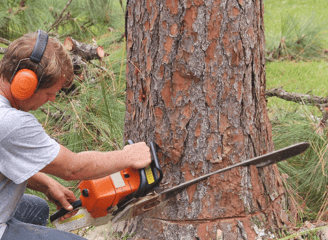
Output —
(39, 47)
(25, 82)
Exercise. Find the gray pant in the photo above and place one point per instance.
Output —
(29, 223)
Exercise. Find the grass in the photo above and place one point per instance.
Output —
(296, 29)
(305, 75)
(307, 172)
(300, 77)
(307, 235)
(275, 11)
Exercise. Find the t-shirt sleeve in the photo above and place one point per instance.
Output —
(26, 150)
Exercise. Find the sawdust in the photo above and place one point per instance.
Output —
(103, 232)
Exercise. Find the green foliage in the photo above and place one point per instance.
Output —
(307, 172)
(276, 10)
(296, 29)
(82, 19)
(295, 123)
(301, 76)
(302, 38)
(306, 235)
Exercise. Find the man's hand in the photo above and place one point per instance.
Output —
(54, 191)
(138, 154)
(62, 197)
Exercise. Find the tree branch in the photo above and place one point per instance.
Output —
(60, 17)
(296, 97)
(5, 41)
(303, 99)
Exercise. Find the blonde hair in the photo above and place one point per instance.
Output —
(56, 61)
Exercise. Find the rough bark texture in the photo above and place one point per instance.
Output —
(196, 87)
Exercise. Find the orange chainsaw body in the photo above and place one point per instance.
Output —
(99, 195)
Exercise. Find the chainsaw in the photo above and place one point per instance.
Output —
(130, 192)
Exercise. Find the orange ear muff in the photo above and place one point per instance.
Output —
(24, 84)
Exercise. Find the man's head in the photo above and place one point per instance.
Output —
(58, 69)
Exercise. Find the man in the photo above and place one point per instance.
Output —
(27, 152)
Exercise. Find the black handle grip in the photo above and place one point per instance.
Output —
(159, 178)
(156, 170)
(62, 212)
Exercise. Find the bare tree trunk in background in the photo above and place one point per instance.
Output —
(196, 87)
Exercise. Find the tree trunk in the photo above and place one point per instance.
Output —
(196, 87)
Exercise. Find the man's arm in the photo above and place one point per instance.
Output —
(55, 192)
(93, 165)
(40, 182)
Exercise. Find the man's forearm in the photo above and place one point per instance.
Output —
(40, 182)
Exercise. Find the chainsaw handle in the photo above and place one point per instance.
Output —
(157, 166)
(62, 212)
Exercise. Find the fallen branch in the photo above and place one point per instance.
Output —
(5, 41)
(303, 99)
(296, 97)
(86, 51)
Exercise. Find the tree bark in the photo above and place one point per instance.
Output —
(196, 87)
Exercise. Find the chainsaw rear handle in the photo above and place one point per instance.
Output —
(156, 169)
(62, 212)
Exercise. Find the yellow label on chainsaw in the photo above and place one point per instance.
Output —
(72, 218)
(149, 175)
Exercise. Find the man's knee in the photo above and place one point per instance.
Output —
(32, 209)
(22, 231)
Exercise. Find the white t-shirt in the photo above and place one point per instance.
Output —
(25, 149)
